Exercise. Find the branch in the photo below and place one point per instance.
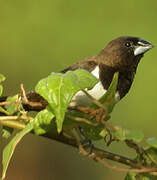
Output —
(102, 154)
(34, 102)
(94, 156)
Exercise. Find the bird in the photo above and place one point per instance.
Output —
(121, 55)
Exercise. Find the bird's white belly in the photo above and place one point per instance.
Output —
(81, 99)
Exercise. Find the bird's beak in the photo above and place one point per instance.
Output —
(142, 47)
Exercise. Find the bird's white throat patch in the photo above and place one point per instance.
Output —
(80, 99)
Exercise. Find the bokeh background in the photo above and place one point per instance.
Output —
(38, 37)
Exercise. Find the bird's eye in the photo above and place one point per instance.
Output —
(127, 44)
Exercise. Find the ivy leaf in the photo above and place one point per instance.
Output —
(9, 149)
(2, 78)
(152, 142)
(42, 120)
(135, 135)
(58, 89)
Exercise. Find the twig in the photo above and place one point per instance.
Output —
(133, 145)
(23, 93)
(3, 118)
(150, 158)
(98, 154)
(95, 101)
(13, 124)
(110, 126)
(97, 158)
(103, 154)
(13, 118)
(143, 170)
(4, 103)
(33, 104)
(79, 119)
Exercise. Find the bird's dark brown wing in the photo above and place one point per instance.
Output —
(88, 64)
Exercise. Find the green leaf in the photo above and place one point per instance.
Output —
(92, 132)
(150, 157)
(58, 89)
(135, 135)
(41, 120)
(120, 134)
(109, 98)
(85, 79)
(1, 90)
(152, 142)
(153, 153)
(7, 132)
(2, 78)
(9, 149)
(103, 133)
(139, 176)
(12, 108)
(130, 176)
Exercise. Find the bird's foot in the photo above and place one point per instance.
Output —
(86, 142)
(89, 143)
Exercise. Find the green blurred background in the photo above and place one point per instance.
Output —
(38, 37)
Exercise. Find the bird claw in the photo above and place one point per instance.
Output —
(86, 142)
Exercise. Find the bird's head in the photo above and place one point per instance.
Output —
(125, 51)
